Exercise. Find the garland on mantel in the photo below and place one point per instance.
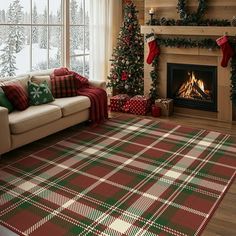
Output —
(154, 74)
(233, 76)
(190, 43)
(172, 22)
(207, 43)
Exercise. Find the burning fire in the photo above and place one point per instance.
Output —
(193, 88)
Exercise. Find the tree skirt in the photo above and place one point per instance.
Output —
(129, 176)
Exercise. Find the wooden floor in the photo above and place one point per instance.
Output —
(223, 223)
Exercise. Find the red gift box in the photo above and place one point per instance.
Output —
(139, 105)
(117, 102)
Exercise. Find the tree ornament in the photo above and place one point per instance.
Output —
(191, 17)
(126, 86)
(233, 21)
(124, 75)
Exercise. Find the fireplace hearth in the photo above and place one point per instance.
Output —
(192, 86)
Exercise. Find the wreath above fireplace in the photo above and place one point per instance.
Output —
(193, 17)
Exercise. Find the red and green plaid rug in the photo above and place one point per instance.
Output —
(129, 176)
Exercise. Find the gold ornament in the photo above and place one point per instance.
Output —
(233, 21)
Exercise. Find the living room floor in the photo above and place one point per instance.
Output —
(223, 221)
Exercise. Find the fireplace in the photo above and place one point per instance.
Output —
(192, 86)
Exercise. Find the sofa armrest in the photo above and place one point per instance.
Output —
(5, 137)
(97, 83)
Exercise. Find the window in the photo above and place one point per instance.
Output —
(79, 36)
(31, 33)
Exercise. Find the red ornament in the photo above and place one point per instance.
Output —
(128, 2)
(124, 75)
(127, 40)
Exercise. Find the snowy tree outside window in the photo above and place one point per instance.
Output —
(30, 39)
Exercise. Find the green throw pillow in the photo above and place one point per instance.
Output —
(4, 102)
(39, 93)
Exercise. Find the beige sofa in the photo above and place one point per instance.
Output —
(22, 127)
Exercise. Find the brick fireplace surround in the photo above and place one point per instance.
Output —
(195, 56)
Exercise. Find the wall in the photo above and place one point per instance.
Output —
(140, 7)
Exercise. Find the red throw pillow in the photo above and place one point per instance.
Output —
(17, 96)
(61, 71)
(64, 86)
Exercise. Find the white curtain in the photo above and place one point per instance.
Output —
(105, 21)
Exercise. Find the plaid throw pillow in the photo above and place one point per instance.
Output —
(63, 86)
(16, 95)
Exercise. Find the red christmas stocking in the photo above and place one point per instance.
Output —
(227, 50)
(153, 48)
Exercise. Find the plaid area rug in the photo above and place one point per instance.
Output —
(129, 176)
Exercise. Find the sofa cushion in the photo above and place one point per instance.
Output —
(4, 102)
(33, 117)
(64, 86)
(72, 105)
(39, 93)
(17, 96)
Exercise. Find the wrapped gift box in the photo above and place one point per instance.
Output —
(117, 102)
(139, 105)
(166, 106)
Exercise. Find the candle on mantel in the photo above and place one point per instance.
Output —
(151, 11)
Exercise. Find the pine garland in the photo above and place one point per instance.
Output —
(188, 43)
(204, 22)
(233, 76)
(154, 74)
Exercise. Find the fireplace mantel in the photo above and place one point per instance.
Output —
(188, 30)
(199, 56)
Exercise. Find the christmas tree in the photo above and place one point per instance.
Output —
(126, 75)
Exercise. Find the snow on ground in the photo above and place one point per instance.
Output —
(38, 56)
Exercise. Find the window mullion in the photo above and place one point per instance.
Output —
(84, 37)
(48, 34)
(31, 35)
(66, 35)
